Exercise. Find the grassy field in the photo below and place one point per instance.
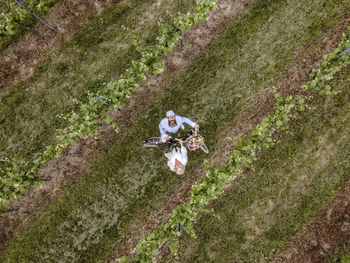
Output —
(289, 184)
(215, 91)
(99, 53)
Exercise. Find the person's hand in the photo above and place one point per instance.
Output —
(167, 138)
(196, 126)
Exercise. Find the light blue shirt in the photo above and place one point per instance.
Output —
(165, 128)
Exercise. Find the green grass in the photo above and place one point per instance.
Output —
(216, 90)
(288, 185)
(97, 54)
(343, 252)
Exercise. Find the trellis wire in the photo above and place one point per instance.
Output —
(4, 54)
(106, 103)
(38, 17)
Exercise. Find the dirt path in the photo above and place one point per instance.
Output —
(78, 158)
(319, 239)
(296, 76)
(29, 51)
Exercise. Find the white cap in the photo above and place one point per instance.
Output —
(170, 113)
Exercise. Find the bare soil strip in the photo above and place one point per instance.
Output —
(30, 50)
(296, 76)
(75, 161)
(79, 157)
(319, 239)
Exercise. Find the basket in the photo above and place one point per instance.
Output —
(194, 142)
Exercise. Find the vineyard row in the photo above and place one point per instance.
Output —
(209, 188)
(13, 16)
(20, 174)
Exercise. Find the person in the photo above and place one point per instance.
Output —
(177, 159)
(172, 123)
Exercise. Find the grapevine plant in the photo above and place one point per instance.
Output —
(17, 177)
(12, 15)
(210, 187)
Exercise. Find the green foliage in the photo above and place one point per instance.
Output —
(330, 65)
(12, 14)
(210, 187)
(118, 92)
(345, 259)
(17, 179)
(128, 182)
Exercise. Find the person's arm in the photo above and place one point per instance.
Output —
(162, 129)
(183, 150)
(189, 122)
(171, 160)
(184, 155)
